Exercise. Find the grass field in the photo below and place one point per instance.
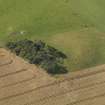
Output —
(75, 26)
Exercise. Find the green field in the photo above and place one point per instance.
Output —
(76, 27)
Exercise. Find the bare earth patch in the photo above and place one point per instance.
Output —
(24, 84)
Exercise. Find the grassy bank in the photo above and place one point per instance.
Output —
(76, 27)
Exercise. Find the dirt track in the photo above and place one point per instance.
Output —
(25, 84)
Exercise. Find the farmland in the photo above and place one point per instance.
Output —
(75, 27)
(24, 84)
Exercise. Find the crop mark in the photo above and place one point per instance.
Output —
(19, 82)
(8, 63)
(13, 73)
(63, 93)
(87, 74)
(55, 83)
(89, 98)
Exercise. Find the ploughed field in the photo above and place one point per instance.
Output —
(75, 27)
(25, 84)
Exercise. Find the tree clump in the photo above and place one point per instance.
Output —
(40, 53)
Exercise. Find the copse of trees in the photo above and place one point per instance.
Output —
(40, 53)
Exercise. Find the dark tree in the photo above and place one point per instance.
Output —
(39, 53)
